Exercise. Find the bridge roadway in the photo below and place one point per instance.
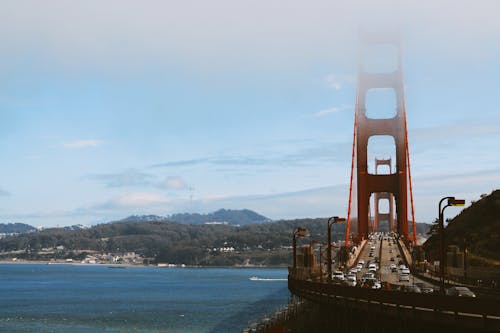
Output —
(390, 310)
(385, 248)
(447, 312)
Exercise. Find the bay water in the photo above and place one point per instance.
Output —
(84, 298)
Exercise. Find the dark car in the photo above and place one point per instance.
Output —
(426, 289)
(460, 292)
(411, 289)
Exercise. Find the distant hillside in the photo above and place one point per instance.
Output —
(144, 218)
(228, 216)
(265, 243)
(478, 225)
(10, 228)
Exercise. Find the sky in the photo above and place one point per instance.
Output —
(113, 108)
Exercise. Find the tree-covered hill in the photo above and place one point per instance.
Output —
(229, 216)
(477, 225)
(222, 216)
(10, 228)
(264, 243)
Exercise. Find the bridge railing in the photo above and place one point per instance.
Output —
(460, 306)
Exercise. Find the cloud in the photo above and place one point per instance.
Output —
(134, 200)
(456, 130)
(329, 111)
(129, 177)
(174, 183)
(127, 32)
(4, 193)
(315, 202)
(179, 163)
(312, 154)
(337, 82)
(82, 144)
(135, 178)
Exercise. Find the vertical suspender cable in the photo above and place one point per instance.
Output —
(410, 181)
(349, 207)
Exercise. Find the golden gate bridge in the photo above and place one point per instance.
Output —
(331, 306)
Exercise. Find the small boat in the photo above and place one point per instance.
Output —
(255, 278)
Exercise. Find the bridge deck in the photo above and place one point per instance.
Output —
(474, 313)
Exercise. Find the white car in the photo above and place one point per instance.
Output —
(404, 277)
(361, 262)
(405, 271)
(359, 267)
(338, 275)
(372, 268)
(353, 271)
(401, 267)
(351, 281)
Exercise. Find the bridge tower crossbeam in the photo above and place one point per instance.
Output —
(389, 216)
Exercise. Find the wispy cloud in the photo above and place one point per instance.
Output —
(129, 177)
(82, 144)
(339, 81)
(332, 110)
(135, 178)
(313, 154)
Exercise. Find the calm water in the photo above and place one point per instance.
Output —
(67, 298)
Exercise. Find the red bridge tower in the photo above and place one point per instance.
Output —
(397, 183)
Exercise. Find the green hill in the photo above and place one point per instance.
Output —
(478, 225)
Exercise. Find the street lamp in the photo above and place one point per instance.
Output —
(442, 262)
(297, 233)
(331, 221)
(315, 242)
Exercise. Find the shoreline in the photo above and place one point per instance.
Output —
(45, 262)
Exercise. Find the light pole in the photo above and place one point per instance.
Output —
(297, 233)
(331, 221)
(320, 263)
(442, 262)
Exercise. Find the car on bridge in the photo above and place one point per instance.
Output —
(338, 276)
(369, 275)
(351, 280)
(411, 289)
(460, 292)
(404, 277)
(426, 289)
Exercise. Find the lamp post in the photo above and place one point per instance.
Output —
(320, 263)
(442, 262)
(331, 221)
(315, 242)
(465, 260)
(297, 233)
